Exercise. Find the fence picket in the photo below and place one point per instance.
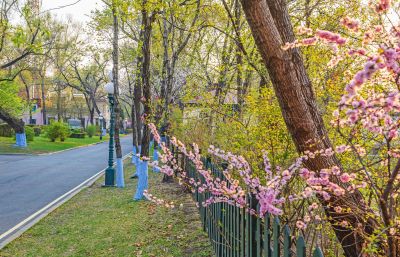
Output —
(234, 231)
(276, 235)
(286, 242)
(300, 247)
(318, 252)
(258, 233)
(267, 236)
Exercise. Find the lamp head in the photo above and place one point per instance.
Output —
(109, 88)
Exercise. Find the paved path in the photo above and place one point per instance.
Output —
(28, 183)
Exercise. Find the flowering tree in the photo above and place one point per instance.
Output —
(367, 123)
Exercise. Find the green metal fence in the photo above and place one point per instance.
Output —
(236, 233)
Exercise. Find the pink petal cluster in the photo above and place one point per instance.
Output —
(350, 23)
(383, 6)
(331, 37)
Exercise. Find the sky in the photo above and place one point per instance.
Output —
(79, 11)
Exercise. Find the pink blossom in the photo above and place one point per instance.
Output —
(350, 23)
(345, 178)
(301, 225)
(383, 6)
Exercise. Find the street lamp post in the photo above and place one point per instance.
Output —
(110, 171)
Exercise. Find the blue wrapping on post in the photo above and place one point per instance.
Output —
(120, 173)
(155, 158)
(143, 182)
(20, 140)
(163, 139)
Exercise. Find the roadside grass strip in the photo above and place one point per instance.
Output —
(107, 222)
(42, 145)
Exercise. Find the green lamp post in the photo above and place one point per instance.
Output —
(110, 171)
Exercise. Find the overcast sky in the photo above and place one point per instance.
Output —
(79, 11)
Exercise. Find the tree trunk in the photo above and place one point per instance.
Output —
(147, 20)
(239, 62)
(138, 91)
(44, 111)
(16, 124)
(91, 118)
(134, 127)
(59, 117)
(271, 28)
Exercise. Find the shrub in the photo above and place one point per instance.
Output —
(6, 130)
(73, 131)
(37, 131)
(77, 135)
(57, 130)
(91, 130)
(30, 134)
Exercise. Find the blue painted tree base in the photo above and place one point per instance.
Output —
(20, 140)
(143, 182)
(120, 173)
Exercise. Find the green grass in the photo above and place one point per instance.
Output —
(43, 145)
(107, 222)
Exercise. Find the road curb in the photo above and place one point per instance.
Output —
(16, 231)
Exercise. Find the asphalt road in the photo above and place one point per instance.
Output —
(28, 183)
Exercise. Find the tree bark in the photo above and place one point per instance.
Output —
(16, 124)
(138, 90)
(271, 28)
(147, 112)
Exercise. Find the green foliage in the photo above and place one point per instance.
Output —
(91, 130)
(9, 99)
(261, 128)
(77, 135)
(37, 131)
(57, 130)
(6, 130)
(30, 134)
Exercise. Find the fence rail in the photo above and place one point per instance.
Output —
(234, 232)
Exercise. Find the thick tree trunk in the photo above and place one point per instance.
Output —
(147, 112)
(91, 119)
(271, 28)
(16, 124)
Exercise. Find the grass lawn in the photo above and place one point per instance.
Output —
(107, 222)
(42, 144)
